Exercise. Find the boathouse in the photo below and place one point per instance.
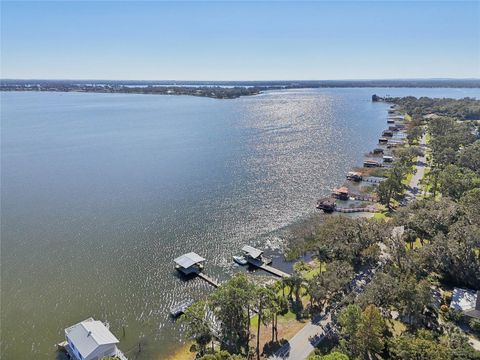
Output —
(383, 141)
(387, 133)
(354, 176)
(190, 263)
(91, 340)
(390, 121)
(378, 151)
(341, 193)
(252, 253)
(387, 158)
(371, 163)
(327, 204)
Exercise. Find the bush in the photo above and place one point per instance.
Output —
(444, 308)
(447, 297)
(475, 325)
(453, 315)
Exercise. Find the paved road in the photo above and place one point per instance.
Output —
(413, 187)
(304, 341)
(474, 342)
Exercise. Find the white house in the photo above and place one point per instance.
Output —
(467, 301)
(91, 340)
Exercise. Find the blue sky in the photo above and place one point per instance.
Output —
(239, 40)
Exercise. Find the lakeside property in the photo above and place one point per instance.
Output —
(357, 262)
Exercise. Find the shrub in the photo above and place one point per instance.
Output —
(475, 325)
(444, 308)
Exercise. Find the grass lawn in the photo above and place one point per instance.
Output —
(379, 216)
(407, 179)
(288, 326)
(182, 353)
(317, 268)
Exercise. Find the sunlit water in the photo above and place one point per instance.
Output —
(101, 192)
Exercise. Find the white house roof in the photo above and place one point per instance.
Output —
(251, 251)
(188, 260)
(88, 335)
(463, 299)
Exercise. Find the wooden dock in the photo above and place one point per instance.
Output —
(208, 279)
(273, 271)
(362, 197)
(355, 210)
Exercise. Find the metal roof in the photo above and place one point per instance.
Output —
(251, 251)
(463, 299)
(88, 335)
(188, 260)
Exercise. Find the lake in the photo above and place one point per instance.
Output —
(100, 192)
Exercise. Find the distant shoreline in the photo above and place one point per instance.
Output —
(220, 89)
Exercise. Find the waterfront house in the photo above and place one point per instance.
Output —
(91, 340)
(467, 302)
(190, 263)
(378, 151)
(387, 158)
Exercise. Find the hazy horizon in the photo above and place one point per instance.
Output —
(247, 80)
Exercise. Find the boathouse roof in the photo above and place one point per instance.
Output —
(188, 260)
(252, 252)
(342, 190)
(88, 335)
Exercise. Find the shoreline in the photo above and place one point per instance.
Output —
(292, 326)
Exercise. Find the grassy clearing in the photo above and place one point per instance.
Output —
(317, 269)
(182, 353)
(407, 179)
(379, 216)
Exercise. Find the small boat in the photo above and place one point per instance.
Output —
(240, 260)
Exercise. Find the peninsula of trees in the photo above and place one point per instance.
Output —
(216, 89)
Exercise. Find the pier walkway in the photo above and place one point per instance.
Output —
(273, 270)
(208, 279)
(354, 210)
